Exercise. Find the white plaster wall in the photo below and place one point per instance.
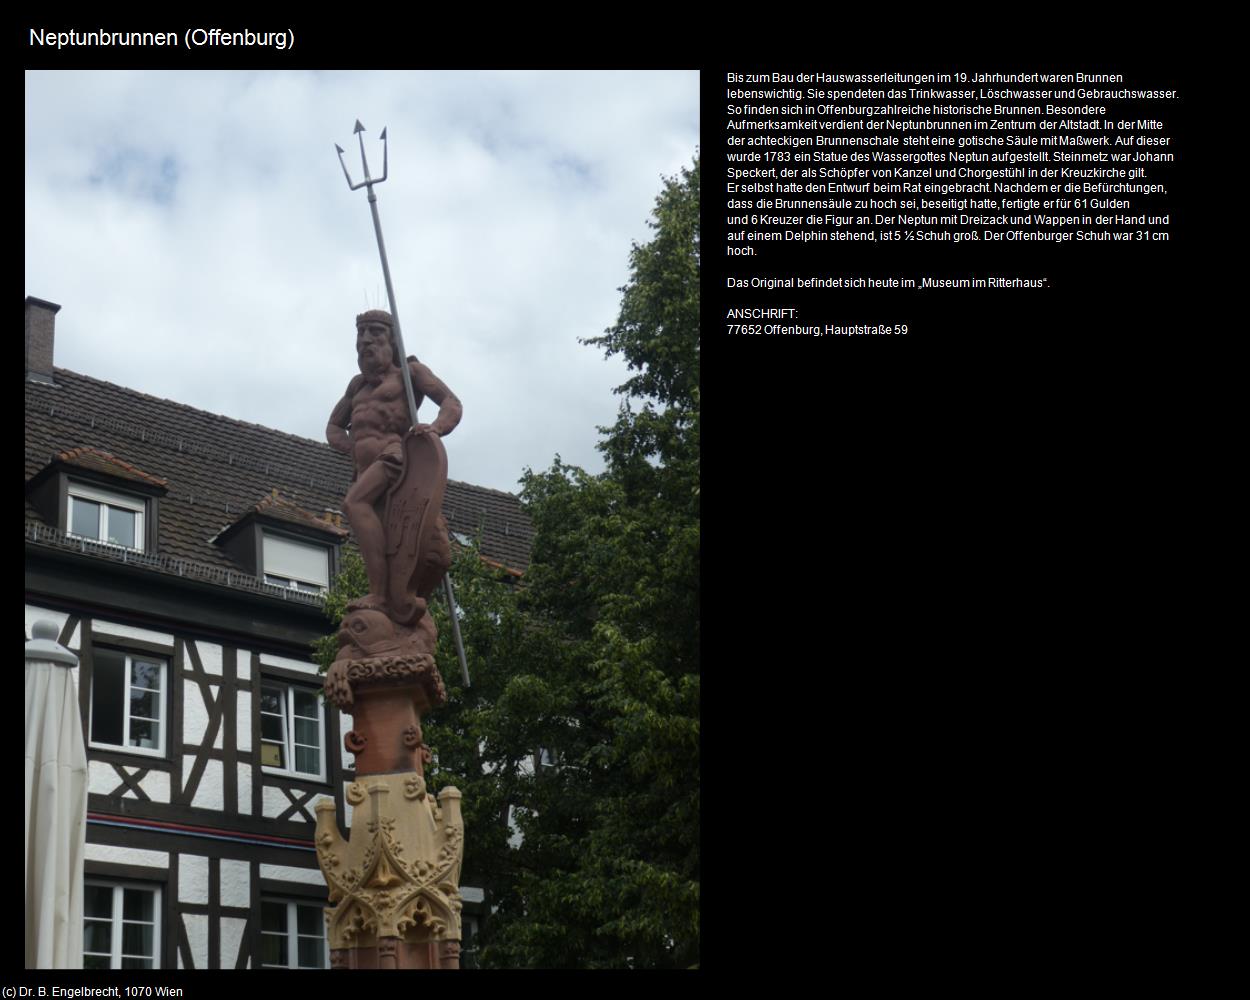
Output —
(194, 715)
(127, 856)
(101, 778)
(197, 938)
(231, 938)
(471, 894)
(245, 788)
(243, 721)
(156, 785)
(192, 879)
(269, 660)
(243, 664)
(127, 632)
(285, 873)
(212, 793)
(210, 656)
(347, 807)
(235, 886)
(274, 802)
(34, 614)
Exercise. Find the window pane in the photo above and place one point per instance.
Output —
(308, 920)
(137, 939)
(271, 728)
(273, 917)
(307, 761)
(95, 961)
(271, 949)
(271, 755)
(137, 963)
(271, 700)
(97, 901)
(145, 734)
(84, 517)
(307, 732)
(306, 704)
(108, 687)
(97, 936)
(121, 527)
(137, 904)
(145, 704)
(310, 953)
(145, 674)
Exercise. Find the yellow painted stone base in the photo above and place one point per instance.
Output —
(399, 874)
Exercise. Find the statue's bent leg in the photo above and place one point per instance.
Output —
(358, 505)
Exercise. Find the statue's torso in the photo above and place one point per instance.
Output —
(379, 418)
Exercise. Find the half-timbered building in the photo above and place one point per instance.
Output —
(183, 556)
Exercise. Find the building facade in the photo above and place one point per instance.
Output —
(183, 555)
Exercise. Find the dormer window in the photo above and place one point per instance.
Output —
(90, 494)
(295, 564)
(284, 545)
(106, 516)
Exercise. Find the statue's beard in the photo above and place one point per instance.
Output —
(373, 366)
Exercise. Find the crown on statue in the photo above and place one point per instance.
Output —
(375, 316)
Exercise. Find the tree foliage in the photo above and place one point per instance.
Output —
(608, 870)
(577, 744)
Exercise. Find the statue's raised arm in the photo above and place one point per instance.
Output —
(425, 382)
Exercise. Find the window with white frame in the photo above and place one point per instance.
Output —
(128, 702)
(106, 516)
(292, 730)
(296, 565)
(292, 935)
(121, 925)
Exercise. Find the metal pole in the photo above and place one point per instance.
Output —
(455, 628)
(402, 360)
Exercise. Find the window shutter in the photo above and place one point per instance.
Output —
(297, 560)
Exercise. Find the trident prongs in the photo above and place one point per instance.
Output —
(368, 181)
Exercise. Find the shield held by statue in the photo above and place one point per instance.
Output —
(413, 506)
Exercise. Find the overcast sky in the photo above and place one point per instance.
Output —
(198, 233)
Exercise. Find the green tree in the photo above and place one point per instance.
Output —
(608, 871)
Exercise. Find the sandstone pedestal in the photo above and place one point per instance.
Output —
(394, 884)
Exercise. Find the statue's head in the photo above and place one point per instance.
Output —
(375, 341)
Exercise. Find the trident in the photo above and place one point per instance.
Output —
(399, 341)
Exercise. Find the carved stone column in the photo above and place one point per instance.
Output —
(394, 885)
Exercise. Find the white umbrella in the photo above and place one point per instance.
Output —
(56, 805)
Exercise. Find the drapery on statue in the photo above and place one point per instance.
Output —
(394, 507)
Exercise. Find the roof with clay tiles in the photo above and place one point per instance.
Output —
(217, 470)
